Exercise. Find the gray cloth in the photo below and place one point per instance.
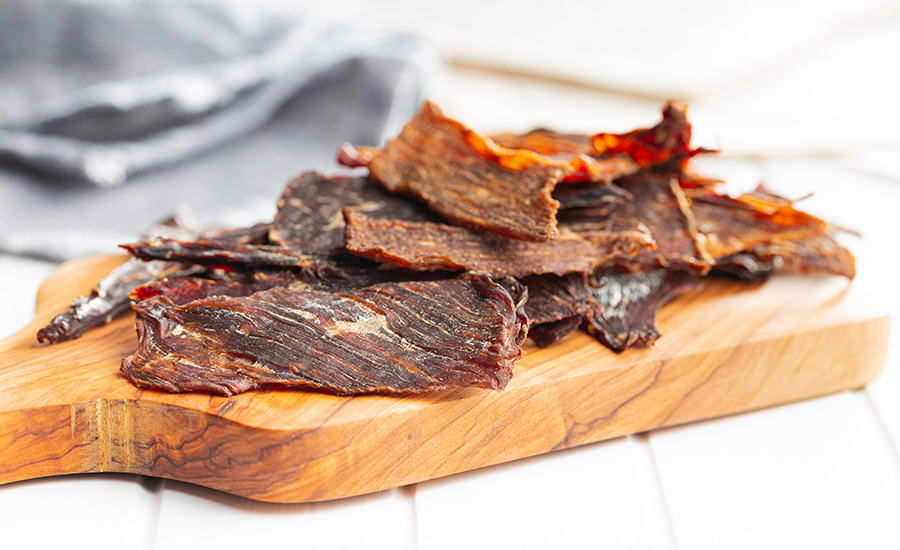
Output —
(114, 114)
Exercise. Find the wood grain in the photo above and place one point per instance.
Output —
(729, 348)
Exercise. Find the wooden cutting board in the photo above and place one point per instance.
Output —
(729, 348)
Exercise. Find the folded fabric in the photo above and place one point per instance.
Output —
(111, 114)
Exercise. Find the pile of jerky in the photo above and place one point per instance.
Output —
(428, 272)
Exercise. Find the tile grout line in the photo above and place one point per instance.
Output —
(882, 430)
(643, 441)
(156, 486)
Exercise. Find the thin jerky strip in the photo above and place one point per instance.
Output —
(431, 246)
(575, 151)
(732, 225)
(631, 302)
(660, 205)
(434, 159)
(390, 338)
(108, 298)
(817, 255)
(668, 140)
(212, 253)
(585, 195)
(557, 306)
(309, 212)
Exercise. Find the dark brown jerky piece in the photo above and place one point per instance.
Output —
(819, 255)
(390, 338)
(659, 205)
(309, 212)
(255, 234)
(548, 333)
(668, 140)
(431, 246)
(553, 298)
(213, 253)
(733, 225)
(557, 306)
(435, 159)
(108, 298)
(590, 195)
(630, 303)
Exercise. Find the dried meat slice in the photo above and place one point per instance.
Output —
(390, 338)
(669, 140)
(590, 195)
(431, 246)
(213, 253)
(108, 299)
(557, 305)
(660, 205)
(733, 225)
(436, 160)
(630, 303)
(309, 217)
(816, 255)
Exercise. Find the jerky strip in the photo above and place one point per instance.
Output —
(630, 303)
(431, 246)
(819, 255)
(660, 205)
(732, 225)
(391, 338)
(668, 140)
(588, 194)
(434, 159)
(214, 253)
(108, 298)
(553, 298)
(309, 212)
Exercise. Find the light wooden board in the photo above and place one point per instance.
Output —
(729, 348)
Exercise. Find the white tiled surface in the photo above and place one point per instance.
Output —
(814, 109)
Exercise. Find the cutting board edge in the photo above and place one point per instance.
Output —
(106, 435)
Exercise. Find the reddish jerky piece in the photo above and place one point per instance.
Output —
(630, 303)
(661, 207)
(435, 160)
(389, 338)
(256, 234)
(575, 150)
(668, 140)
(817, 255)
(214, 253)
(431, 246)
(309, 212)
(732, 225)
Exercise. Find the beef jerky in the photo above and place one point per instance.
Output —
(661, 207)
(668, 140)
(630, 303)
(255, 234)
(434, 159)
(557, 306)
(431, 246)
(816, 255)
(108, 298)
(590, 195)
(309, 215)
(549, 333)
(214, 253)
(553, 298)
(574, 150)
(391, 338)
(732, 225)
